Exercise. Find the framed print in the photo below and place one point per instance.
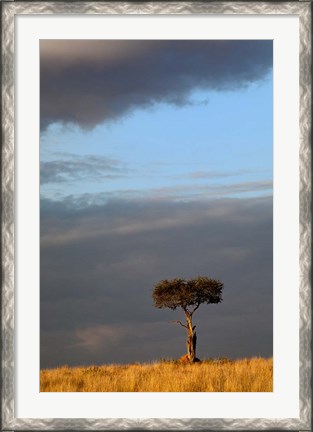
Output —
(156, 215)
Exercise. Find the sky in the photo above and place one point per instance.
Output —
(155, 162)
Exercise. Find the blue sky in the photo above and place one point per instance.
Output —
(156, 162)
(219, 138)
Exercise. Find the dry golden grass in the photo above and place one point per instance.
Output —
(246, 375)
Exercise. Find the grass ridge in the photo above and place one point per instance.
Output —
(219, 375)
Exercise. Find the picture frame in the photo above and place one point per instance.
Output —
(9, 11)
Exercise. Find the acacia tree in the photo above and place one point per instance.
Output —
(188, 295)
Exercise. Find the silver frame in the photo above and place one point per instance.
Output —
(9, 10)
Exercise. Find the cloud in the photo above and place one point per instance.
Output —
(79, 168)
(129, 225)
(99, 265)
(90, 82)
(186, 192)
(216, 174)
(92, 337)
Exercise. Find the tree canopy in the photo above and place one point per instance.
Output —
(182, 293)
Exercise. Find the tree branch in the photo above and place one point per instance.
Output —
(198, 304)
(179, 322)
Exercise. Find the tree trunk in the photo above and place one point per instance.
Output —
(191, 346)
(191, 338)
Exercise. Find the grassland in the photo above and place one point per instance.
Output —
(245, 375)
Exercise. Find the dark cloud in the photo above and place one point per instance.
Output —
(89, 82)
(99, 265)
(79, 168)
